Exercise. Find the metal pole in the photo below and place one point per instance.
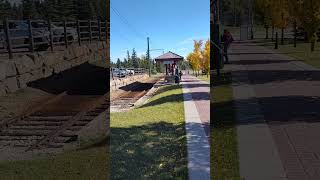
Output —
(7, 32)
(276, 43)
(217, 58)
(149, 60)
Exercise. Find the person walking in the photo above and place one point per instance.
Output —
(180, 74)
(227, 39)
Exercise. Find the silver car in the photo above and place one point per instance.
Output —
(19, 35)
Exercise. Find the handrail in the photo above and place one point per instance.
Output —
(222, 51)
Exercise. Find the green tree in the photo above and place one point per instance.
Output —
(134, 59)
(4, 9)
(29, 9)
(118, 63)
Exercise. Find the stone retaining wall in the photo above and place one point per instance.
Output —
(23, 68)
(117, 83)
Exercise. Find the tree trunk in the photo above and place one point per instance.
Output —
(267, 32)
(312, 46)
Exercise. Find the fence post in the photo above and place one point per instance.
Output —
(90, 32)
(31, 36)
(79, 34)
(51, 34)
(65, 33)
(276, 43)
(99, 26)
(7, 33)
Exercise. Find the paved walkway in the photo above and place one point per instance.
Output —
(277, 100)
(197, 108)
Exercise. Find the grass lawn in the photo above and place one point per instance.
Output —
(149, 142)
(302, 52)
(224, 154)
(89, 162)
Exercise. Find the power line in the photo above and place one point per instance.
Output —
(124, 20)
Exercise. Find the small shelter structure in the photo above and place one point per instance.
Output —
(169, 60)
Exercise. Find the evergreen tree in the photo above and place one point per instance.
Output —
(125, 63)
(67, 9)
(134, 59)
(130, 63)
(5, 9)
(29, 9)
(118, 63)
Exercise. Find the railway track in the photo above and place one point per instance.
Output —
(55, 124)
(80, 96)
(127, 99)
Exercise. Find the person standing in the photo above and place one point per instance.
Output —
(227, 39)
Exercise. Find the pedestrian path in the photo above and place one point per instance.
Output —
(196, 95)
(277, 100)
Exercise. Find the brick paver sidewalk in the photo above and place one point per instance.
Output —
(197, 109)
(277, 100)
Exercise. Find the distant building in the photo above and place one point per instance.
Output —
(169, 60)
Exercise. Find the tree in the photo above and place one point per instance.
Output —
(29, 9)
(130, 64)
(4, 9)
(206, 57)
(134, 59)
(118, 63)
(195, 58)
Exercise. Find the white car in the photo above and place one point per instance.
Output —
(130, 72)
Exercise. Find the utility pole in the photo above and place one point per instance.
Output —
(148, 54)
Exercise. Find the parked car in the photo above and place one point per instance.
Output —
(58, 33)
(118, 73)
(130, 72)
(19, 34)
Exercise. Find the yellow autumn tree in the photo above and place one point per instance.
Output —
(206, 57)
(195, 58)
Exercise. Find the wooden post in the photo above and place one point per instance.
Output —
(90, 31)
(30, 36)
(51, 35)
(99, 26)
(78, 31)
(65, 33)
(8, 40)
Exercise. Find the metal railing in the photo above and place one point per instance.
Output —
(39, 35)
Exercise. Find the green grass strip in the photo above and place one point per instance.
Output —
(149, 142)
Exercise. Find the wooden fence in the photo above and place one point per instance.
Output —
(35, 35)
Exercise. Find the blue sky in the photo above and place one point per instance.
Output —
(170, 24)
